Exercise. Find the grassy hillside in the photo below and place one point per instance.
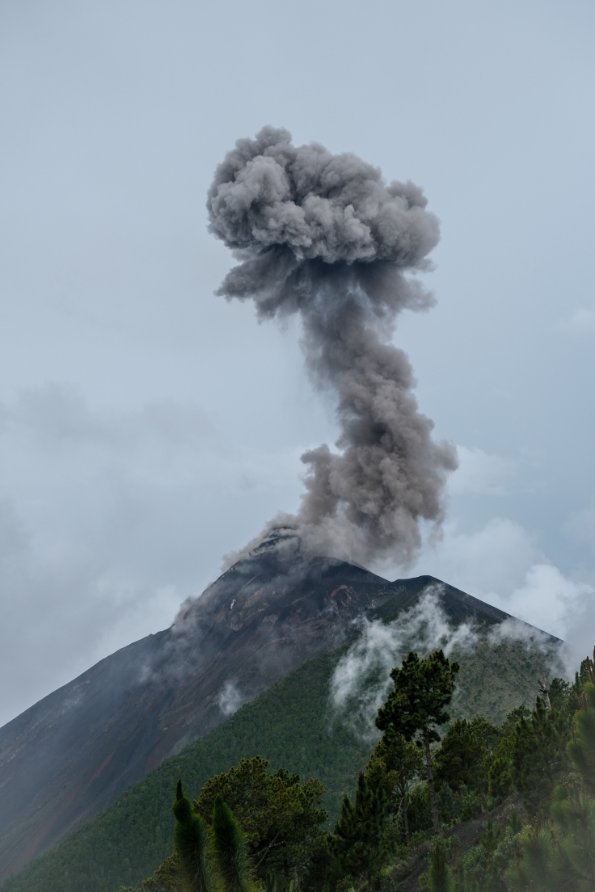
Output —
(290, 725)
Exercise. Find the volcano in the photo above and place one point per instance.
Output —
(73, 753)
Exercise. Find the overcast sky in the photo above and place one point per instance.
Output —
(149, 427)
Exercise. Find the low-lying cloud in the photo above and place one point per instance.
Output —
(102, 526)
(361, 679)
(503, 564)
(230, 698)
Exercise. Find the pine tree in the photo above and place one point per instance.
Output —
(539, 752)
(191, 841)
(229, 846)
(358, 844)
(396, 763)
(461, 760)
(581, 748)
(561, 853)
(416, 706)
(280, 815)
(573, 808)
(440, 878)
(586, 673)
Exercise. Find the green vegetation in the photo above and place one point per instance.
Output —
(357, 846)
(439, 876)
(542, 836)
(230, 851)
(422, 688)
(291, 726)
(280, 816)
(537, 835)
(207, 857)
(191, 845)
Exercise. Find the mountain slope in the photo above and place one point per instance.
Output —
(72, 754)
(292, 725)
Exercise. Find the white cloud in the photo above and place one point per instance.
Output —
(562, 606)
(230, 698)
(361, 678)
(547, 598)
(103, 527)
(491, 558)
(481, 473)
(582, 321)
(65, 604)
(502, 563)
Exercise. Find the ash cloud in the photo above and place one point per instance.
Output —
(325, 237)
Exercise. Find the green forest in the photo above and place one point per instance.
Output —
(481, 807)
(466, 781)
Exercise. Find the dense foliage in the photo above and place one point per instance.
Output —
(416, 707)
(191, 844)
(290, 726)
(280, 815)
(543, 835)
(516, 803)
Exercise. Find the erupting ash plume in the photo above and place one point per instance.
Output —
(322, 235)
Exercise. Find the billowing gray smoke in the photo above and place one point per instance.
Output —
(322, 235)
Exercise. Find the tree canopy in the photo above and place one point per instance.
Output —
(416, 706)
(279, 814)
(422, 688)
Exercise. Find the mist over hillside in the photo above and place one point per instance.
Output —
(316, 720)
(75, 752)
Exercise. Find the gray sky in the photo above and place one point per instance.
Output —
(148, 427)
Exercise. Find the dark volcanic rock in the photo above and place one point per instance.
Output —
(75, 751)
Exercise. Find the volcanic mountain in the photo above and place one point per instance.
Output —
(72, 754)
